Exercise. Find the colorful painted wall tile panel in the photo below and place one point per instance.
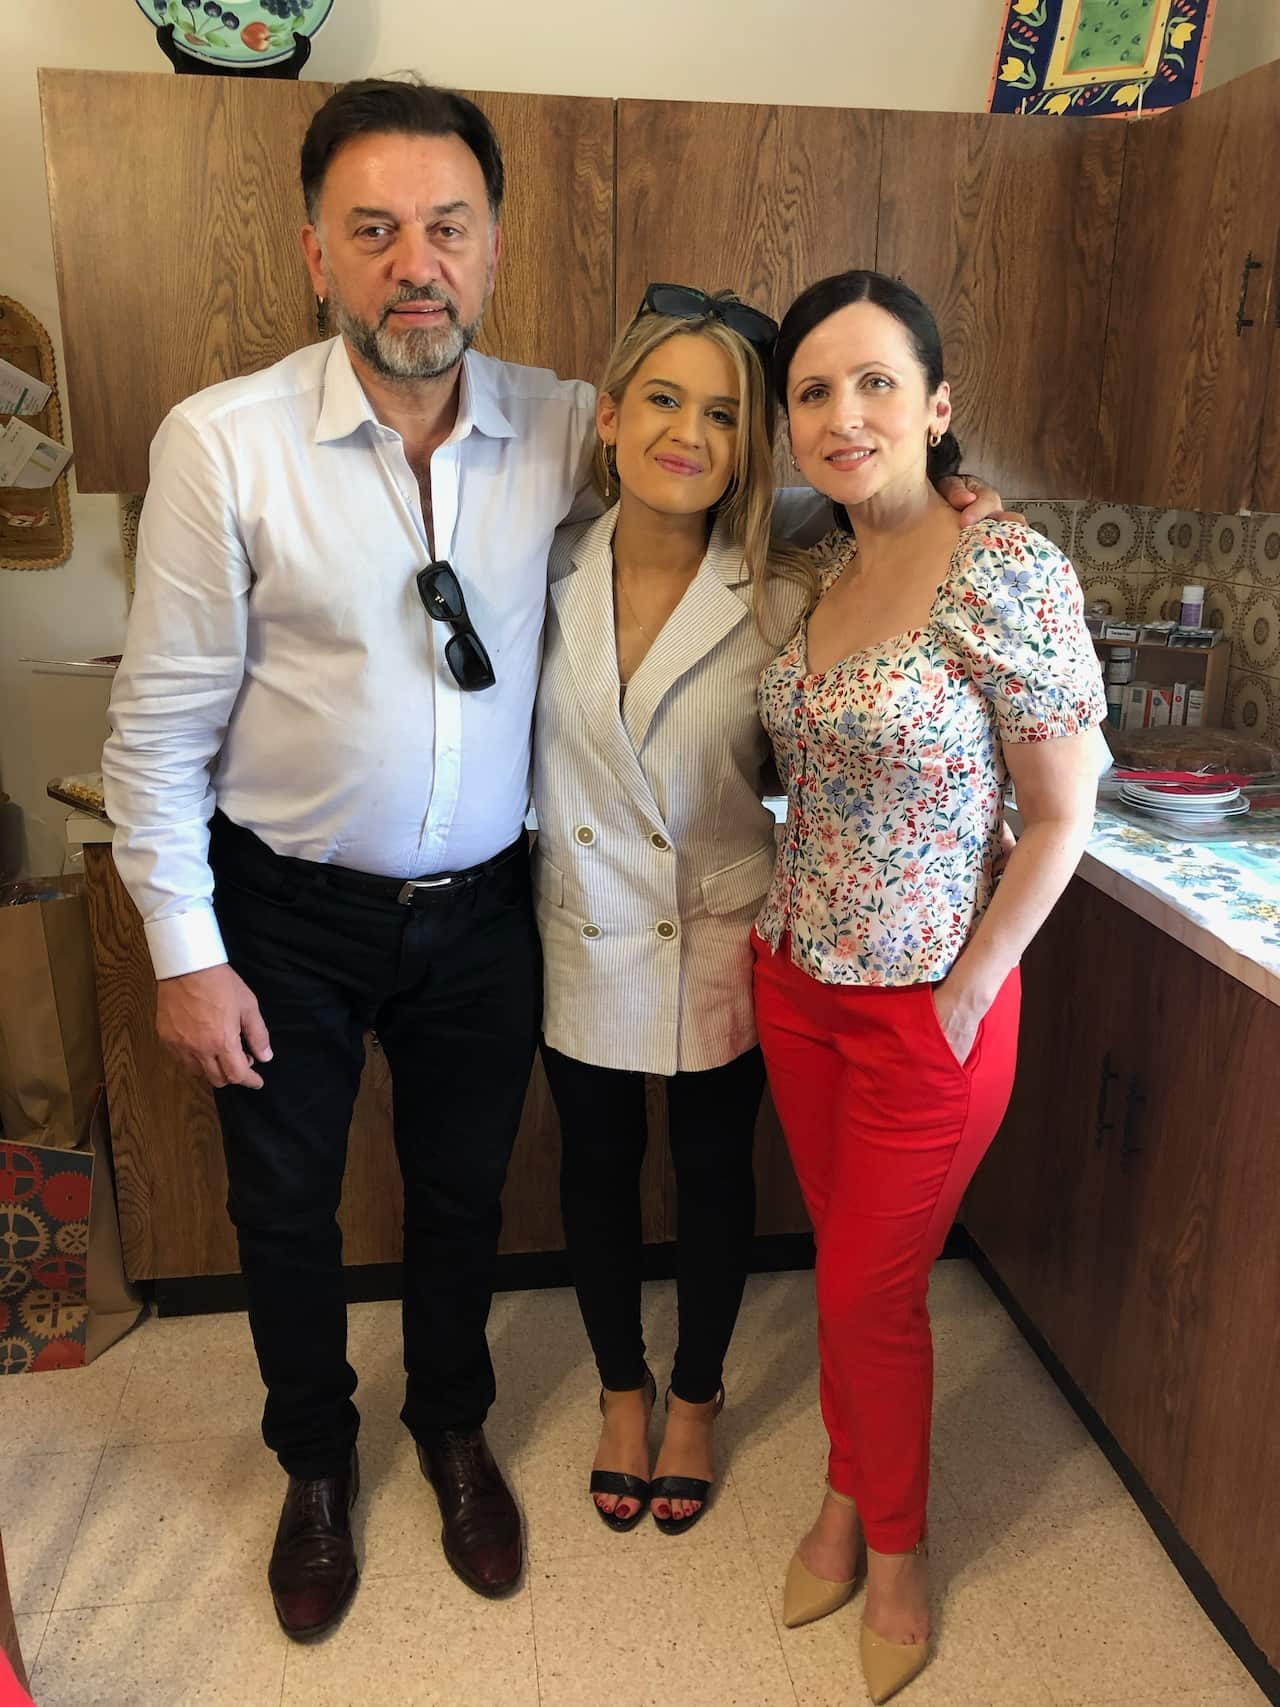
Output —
(1105, 58)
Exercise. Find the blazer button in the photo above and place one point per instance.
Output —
(585, 835)
(660, 842)
(591, 932)
(665, 929)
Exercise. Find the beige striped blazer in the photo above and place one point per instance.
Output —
(654, 849)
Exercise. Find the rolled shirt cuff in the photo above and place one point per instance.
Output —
(185, 942)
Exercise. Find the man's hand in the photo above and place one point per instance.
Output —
(976, 500)
(211, 1021)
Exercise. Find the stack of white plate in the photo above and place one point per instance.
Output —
(1184, 803)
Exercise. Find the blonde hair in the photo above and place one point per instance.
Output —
(747, 505)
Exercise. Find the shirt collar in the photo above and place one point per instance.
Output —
(345, 406)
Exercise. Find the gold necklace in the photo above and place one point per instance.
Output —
(626, 599)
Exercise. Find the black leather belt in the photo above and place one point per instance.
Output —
(229, 837)
(404, 890)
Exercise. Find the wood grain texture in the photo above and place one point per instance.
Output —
(1228, 1506)
(1182, 393)
(761, 200)
(178, 263)
(553, 304)
(1152, 1266)
(1007, 230)
(210, 197)
(1266, 485)
(165, 1139)
(1034, 1202)
(1152, 1250)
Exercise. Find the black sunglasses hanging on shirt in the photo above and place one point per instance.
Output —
(441, 595)
(684, 302)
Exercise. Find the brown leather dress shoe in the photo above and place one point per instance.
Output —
(481, 1536)
(313, 1563)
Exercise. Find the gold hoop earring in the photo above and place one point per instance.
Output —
(608, 467)
(935, 438)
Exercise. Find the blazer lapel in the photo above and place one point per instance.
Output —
(583, 601)
(709, 610)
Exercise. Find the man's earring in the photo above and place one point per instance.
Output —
(322, 317)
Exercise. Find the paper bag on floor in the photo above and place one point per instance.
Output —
(64, 1297)
(50, 1046)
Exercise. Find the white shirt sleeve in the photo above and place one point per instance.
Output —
(587, 502)
(182, 667)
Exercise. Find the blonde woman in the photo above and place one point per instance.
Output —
(654, 854)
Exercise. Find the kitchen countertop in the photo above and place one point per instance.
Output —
(1221, 899)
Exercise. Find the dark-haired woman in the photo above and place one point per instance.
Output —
(940, 660)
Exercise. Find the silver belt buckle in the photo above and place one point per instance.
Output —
(407, 889)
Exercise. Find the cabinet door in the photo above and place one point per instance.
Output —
(1228, 1507)
(210, 198)
(761, 200)
(1183, 389)
(1154, 1251)
(1035, 1202)
(1007, 230)
(1266, 488)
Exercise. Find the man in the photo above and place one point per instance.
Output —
(318, 770)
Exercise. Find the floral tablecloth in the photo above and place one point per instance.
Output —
(1231, 887)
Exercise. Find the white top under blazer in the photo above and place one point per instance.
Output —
(654, 847)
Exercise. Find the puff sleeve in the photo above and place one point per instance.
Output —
(1012, 613)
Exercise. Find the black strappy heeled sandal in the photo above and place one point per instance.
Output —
(682, 1488)
(619, 1482)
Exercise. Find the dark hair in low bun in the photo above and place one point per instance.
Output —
(828, 297)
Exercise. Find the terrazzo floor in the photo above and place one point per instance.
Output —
(138, 1507)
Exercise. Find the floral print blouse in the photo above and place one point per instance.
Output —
(893, 762)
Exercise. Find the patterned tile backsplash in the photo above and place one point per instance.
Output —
(1138, 560)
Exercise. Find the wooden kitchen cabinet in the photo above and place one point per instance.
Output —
(185, 268)
(758, 199)
(1228, 1506)
(1008, 230)
(1266, 488)
(1185, 379)
(1130, 1204)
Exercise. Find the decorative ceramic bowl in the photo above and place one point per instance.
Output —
(238, 32)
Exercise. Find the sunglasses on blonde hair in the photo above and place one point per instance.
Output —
(684, 302)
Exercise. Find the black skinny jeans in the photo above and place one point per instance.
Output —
(711, 1117)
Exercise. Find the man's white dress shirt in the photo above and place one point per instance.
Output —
(279, 662)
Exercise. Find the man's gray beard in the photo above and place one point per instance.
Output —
(423, 354)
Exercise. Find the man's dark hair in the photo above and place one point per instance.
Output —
(408, 107)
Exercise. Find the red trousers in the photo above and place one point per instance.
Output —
(885, 1128)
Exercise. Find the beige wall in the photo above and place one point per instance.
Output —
(915, 53)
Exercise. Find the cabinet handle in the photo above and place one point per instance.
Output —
(1134, 1105)
(1103, 1125)
(1250, 266)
